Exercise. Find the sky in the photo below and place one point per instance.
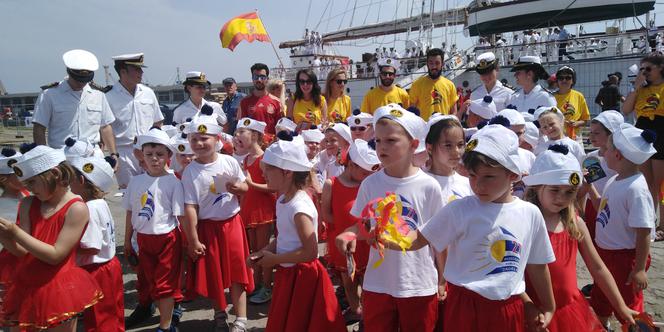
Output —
(183, 33)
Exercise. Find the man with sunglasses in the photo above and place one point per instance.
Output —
(434, 93)
(72, 108)
(196, 85)
(261, 105)
(387, 92)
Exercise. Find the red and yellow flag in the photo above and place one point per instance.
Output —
(243, 27)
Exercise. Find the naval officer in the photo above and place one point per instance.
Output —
(72, 108)
(136, 110)
(531, 96)
(195, 85)
(487, 68)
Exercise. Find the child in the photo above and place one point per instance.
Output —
(51, 224)
(338, 197)
(361, 125)
(402, 291)
(491, 238)
(552, 186)
(551, 121)
(96, 254)
(312, 138)
(626, 219)
(258, 204)
(481, 110)
(337, 140)
(216, 240)
(183, 153)
(154, 202)
(303, 298)
(531, 137)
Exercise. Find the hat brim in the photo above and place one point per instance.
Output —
(537, 68)
(195, 82)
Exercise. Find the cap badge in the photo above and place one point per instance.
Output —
(181, 148)
(396, 113)
(574, 179)
(18, 171)
(472, 144)
(88, 168)
(202, 77)
(246, 122)
(202, 129)
(357, 121)
(11, 162)
(375, 167)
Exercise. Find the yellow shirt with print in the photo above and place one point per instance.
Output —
(338, 109)
(649, 101)
(307, 111)
(433, 96)
(376, 97)
(574, 107)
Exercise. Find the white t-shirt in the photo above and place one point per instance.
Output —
(413, 273)
(601, 183)
(288, 239)
(489, 245)
(199, 189)
(100, 234)
(626, 204)
(452, 187)
(574, 147)
(154, 202)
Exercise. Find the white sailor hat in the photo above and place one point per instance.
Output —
(182, 127)
(251, 124)
(205, 122)
(484, 108)
(555, 166)
(285, 124)
(288, 155)
(80, 60)
(8, 157)
(531, 135)
(610, 119)
(155, 136)
(515, 117)
(97, 170)
(196, 77)
(312, 135)
(359, 119)
(362, 154)
(531, 62)
(437, 117)
(545, 109)
(78, 149)
(38, 160)
(498, 143)
(486, 62)
(170, 130)
(413, 124)
(343, 130)
(180, 144)
(134, 59)
(389, 62)
(635, 144)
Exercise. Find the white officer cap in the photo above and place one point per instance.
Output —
(80, 60)
(133, 59)
(388, 62)
(196, 77)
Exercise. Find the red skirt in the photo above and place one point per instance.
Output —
(303, 300)
(466, 310)
(8, 264)
(224, 262)
(575, 316)
(108, 314)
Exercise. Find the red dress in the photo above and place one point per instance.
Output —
(45, 295)
(257, 207)
(573, 312)
(343, 199)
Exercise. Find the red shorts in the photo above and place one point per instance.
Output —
(620, 264)
(108, 313)
(383, 312)
(160, 258)
(466, 310)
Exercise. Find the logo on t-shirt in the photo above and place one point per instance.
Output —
(568, 110)
(408, 213)
(221, 198)
(604, 213)
(652, 102)
(436, 97)
(147, 205)
(501, 253)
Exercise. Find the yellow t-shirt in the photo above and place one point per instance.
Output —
(574, 107)
(376, 97)
(649, 101)
(338, 109)
(433, 96)
(307, 111)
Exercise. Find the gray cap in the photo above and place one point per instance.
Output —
(228, 80)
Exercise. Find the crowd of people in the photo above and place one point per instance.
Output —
(437, 215)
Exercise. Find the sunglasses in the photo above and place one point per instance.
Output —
(564, 78)
(259, 77)
(342, 81)
(360, 128)
(303, 82)
(646, 69)
(387, 73)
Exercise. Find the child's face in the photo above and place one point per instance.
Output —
(203, 145)
(155, 158)
(612, 156)
(473, 119)
(242, 138)
(77, 185)
(361, 132)
(332, 142)
(38, 187)
(491, 183)
(274, 177)
(312, 149)
(551, 126)
(554, 199)
(357, 173)
(598, 135)
(10, 181)
(393, 144)
(449, 148)
(519, 130)
(184, 159)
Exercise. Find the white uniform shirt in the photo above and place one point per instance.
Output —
(288, 239)
(154, 202)
(575, 148)
(134, 115)
(489, 244)
(537, 97)
(68, 113)
(626, 204)
(453, 187)
(99, 234)
(413, 273)
(199, 189)
(188, 110)
(499, 93)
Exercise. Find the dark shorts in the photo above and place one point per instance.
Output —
(658, 126)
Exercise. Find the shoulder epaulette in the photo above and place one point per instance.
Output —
(48, 86)
(98, 87)
(509, 87)
(180, 104)
(515, 91)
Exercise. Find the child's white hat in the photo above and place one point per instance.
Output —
(251, 124)
(413, 124)
(635, 144)
(437, 117)
(531, 135)
(180, 144)
(553, 109)
(205, 122)
(343, 130)
(78, 149)
(170, 130)
(97, 170)
(515, 117)
(359, 119)
(312, 135)
(288, 155)
(555, 166)
(364, 155)
(38, 160)
(286, 124)
(611, 120)
(156, 136)
(484, 108)
(498, 143)
(8, 157)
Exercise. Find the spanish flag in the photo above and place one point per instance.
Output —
(244, 27)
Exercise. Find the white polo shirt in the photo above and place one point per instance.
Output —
(188, 110)
(134, 115)
(536, 98)
(68, 113)
(499, 93)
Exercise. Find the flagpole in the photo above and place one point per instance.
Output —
(271, 43)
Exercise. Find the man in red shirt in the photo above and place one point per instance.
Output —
(261, 105)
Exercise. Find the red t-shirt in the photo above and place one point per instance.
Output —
(265, 108)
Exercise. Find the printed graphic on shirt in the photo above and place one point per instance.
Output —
(147, 205)
(501, 253)
(436, 97)
(568, 110)
(652, 102)
(221, 196)
(336, 117)
(604, 214)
